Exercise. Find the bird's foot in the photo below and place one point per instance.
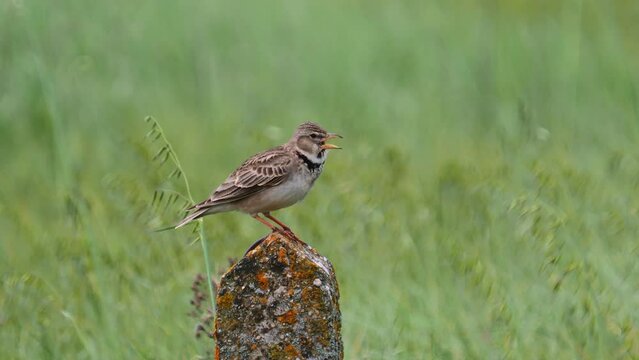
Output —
(287, 232)
(291, 235)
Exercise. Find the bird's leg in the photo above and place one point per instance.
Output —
(287, 230)
(270, 226)
(273, 228)
(268, 215)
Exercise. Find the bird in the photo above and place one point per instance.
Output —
(271, 180)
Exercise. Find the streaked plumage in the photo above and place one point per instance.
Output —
(271, 180)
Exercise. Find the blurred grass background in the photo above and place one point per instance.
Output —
(485, 205)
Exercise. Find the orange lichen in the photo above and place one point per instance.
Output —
(289, 317)
(319, 326)
(262, 300)
(291, 351)
(225, 301)
(282, 256)
(262, 280)
(304, 270)
(312, 295)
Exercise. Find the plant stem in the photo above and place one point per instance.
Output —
(202, 237)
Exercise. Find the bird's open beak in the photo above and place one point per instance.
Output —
(331, 146)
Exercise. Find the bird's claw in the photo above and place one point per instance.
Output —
(287, 232)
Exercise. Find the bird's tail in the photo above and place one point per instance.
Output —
(195, 215)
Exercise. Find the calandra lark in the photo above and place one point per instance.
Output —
(271, 180)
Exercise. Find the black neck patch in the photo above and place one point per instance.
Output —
(309, 164)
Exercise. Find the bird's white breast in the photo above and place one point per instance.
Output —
(291, 191)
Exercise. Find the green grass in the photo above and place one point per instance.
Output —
(484, 206)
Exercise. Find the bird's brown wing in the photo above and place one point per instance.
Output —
(259, 172)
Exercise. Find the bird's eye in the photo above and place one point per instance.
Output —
(315, 136)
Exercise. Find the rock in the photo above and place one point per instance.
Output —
(280, 301)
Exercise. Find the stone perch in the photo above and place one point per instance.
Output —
(280, 301)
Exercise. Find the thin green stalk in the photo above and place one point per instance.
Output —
(206, 263)
(202, 237)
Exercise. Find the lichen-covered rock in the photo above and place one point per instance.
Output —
(279, 302)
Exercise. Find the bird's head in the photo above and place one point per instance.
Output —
(311, 140)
